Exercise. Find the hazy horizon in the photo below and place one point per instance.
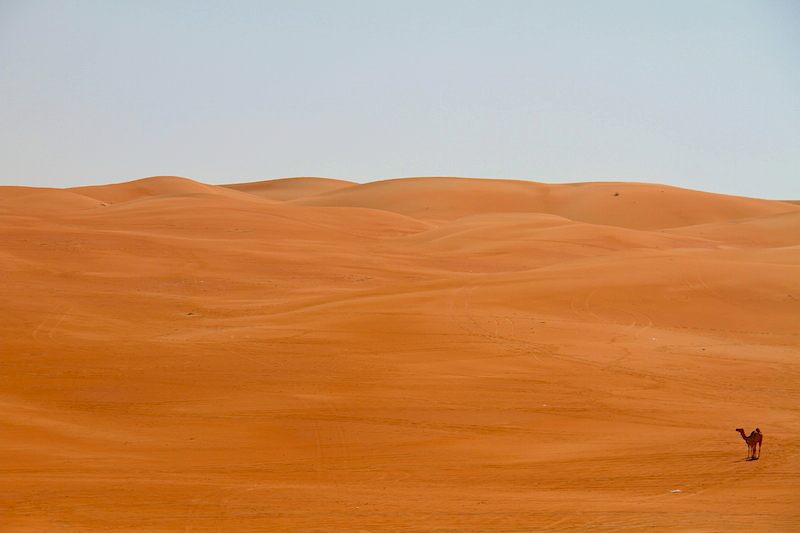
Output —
(700, 95)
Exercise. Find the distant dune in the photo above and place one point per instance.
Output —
(630, 205)
(418, 354)
(45, 201)
(290, 188)
(774, 230)
(151, 187)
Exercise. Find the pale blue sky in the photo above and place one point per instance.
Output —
(697, 94)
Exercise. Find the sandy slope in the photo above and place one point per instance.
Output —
(429, 354)
(630, 205)
(290, 188)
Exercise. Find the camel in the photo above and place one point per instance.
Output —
(752, 440)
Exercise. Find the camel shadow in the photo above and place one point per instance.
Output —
(746, 460)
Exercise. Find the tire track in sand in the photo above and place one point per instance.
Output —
(43, 333)
(460, 305)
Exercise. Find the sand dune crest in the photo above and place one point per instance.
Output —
(290, 188)
(149, 187)
(46, 201)
(635, 206)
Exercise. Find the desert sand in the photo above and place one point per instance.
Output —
(422, 354)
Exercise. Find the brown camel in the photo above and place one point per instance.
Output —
(753, 440)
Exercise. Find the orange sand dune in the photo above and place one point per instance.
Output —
(290, 188)
(14, 191)
(775, 230)
(46, 201)
(426, 354)
(152, 187)
(528, 240)
(631, 205)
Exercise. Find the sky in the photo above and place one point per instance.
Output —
(701, 94)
